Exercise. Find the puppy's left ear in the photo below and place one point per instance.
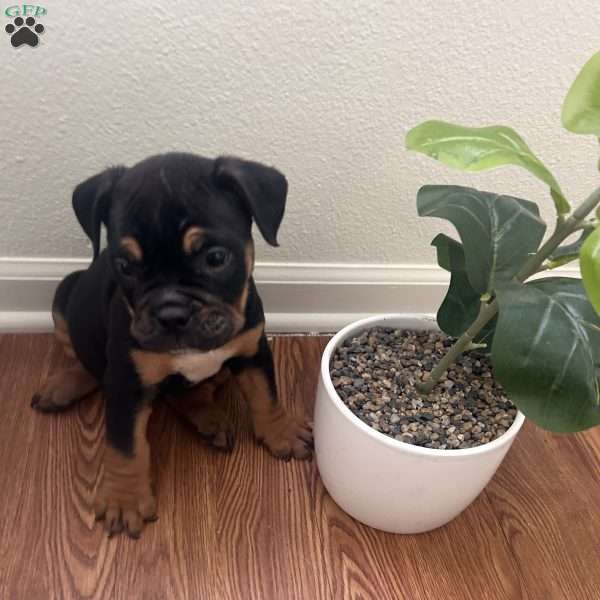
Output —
(262, 189)
(91, 203)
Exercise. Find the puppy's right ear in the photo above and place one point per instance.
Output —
(91, 203)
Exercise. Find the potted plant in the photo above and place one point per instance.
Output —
(411, 422)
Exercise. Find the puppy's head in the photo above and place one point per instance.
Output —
(179, 241)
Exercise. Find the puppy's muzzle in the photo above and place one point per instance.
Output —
(175, 317)
(170, 318)
(214, 323)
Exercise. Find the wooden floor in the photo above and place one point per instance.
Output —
(248, 526)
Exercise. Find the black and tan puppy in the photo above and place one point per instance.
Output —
(169, 304)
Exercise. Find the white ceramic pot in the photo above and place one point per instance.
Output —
(388, 484)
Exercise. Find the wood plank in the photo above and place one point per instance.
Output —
(268, 542)
(547, 498)
(248, 526)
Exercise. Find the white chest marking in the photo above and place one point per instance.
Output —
(198, 366)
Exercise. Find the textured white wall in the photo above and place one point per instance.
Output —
(324, 90)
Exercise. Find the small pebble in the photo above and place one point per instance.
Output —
(375, 373)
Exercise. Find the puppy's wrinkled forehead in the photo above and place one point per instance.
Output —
(167, 203)
(159, 196)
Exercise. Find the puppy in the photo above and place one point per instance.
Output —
(170, 309)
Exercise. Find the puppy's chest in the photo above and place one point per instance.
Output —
(194, 366)
(198, 366)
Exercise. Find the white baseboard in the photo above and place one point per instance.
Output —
(298, 297)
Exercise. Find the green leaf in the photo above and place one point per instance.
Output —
(581, 108)
(589, 261)
(571, 293)
(450, 253)
(498, 232)
(543, 353)
(461, 304)
(481, 148)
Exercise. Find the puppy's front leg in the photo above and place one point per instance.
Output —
(201, 407)
(284, 435)
(124, 498)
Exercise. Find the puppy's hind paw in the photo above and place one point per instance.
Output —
(63, 389)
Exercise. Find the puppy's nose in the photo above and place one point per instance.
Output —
(173, 316)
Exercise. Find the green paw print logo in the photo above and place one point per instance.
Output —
(24, 30)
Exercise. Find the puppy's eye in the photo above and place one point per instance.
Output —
(217, 257)
(124, 267)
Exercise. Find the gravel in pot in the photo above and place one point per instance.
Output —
(375, 372)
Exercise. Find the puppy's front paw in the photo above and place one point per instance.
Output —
(214, 427)
(124, 508)
(287, 437)
(208, 419)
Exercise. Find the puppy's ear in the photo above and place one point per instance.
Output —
(91, 203)
(262, 189)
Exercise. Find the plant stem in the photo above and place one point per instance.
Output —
(486, 314)
(488, 311)
(562, 232)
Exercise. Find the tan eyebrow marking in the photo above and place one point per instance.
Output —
(133, 247)
(192, 238)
